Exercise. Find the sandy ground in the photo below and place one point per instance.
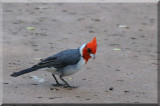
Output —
(131, 70)
(1, 72)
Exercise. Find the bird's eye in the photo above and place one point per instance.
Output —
(89, 50)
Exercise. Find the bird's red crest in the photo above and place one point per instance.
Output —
(93, 45)
(90, 48)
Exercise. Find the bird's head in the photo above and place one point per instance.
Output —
(89, 49)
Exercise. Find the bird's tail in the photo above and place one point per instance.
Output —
(16, 74)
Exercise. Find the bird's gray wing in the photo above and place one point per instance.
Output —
(60, 60)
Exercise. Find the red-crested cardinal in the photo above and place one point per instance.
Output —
(64, 63)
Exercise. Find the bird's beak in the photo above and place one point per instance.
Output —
(93, 56)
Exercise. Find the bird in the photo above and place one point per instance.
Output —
(64, 63)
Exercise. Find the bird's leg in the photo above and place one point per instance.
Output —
(55, 78)
(68, 86)
(57, 83)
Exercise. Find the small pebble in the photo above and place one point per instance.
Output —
(117, 70)
(87, 99)
(53, 88)
(133, 38)
(34, 84)
(111, 88)
(126, 91)
(51, 98)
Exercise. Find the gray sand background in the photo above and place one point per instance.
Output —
(131, 71)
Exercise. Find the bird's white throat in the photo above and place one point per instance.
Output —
(81, 49)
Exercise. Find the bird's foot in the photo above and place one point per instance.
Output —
(58, 85)
(64, 86)
(70, 87)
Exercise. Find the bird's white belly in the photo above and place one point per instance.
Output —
(69, 70)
